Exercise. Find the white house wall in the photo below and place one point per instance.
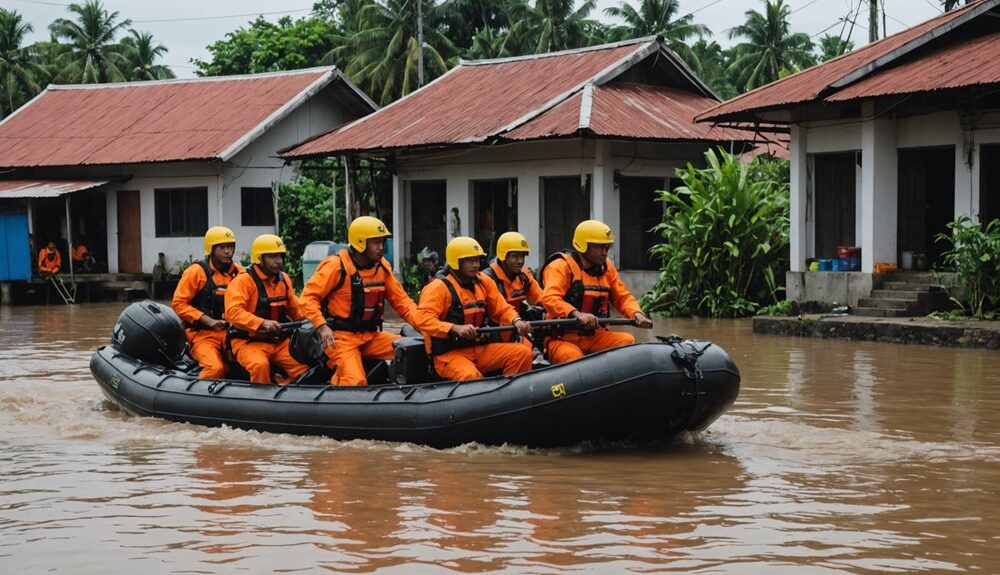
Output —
(879, 139)
(529, 163)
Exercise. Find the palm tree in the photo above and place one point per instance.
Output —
(553, 25)
(382, 55)
(950, 5)
(771, 50)
(92, 54)
(142, 54)
(20, 74)
(659, 18)
(714, 61)
(832, 46)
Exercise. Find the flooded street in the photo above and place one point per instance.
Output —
(838, 457)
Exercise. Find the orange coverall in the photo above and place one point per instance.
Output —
(206, 344)
(80, 253)
(532, 293)
(469, 362)
(256, 356)
(557, 277)
(46, 265)
(351, 347)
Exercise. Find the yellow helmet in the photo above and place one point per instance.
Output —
(460, 248)
(266, 244)
(218, 235)
(363, 228)
(592, 232)
(511, 242)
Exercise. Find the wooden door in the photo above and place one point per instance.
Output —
(129, 232)
(835, 178)
(566, 203)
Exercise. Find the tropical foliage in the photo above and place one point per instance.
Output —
(307, 211)
(21, 75)
(974, 255)
(770, 49)
(724, 238)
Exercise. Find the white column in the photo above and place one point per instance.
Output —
(458, 195)
(529, 221)
(798, 213)
(399, 217)
(603, 193)
(878, 190)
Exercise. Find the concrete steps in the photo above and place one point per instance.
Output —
(905, 294)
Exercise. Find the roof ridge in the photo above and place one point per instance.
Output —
(234, 77)
(610, 46)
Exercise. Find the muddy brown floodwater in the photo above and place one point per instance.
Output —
(838, 457)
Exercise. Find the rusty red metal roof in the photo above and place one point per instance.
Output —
(629, 110)
(45, 188)
(477, 101)
(173, 120)
(969, 63)
(811, 83)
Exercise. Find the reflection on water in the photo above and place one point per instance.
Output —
(838, 458)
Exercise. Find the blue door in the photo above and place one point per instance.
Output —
(15, 259)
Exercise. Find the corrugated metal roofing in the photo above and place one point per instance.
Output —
(808, 84)
(474, 101)
(44, 188)
(150, 121)
(968, 63)
(628, 110)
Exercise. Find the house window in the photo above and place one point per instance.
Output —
(258, 207)
(181, 212)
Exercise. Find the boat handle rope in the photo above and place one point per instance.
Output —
(686, 354)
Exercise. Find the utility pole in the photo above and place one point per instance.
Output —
(420, 43)
(872, 20)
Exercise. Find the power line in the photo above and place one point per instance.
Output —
(224, 16)
(806, 5)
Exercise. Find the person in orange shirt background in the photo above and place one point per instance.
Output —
(583, 284)
(49, 259)
(515, 282)
(455, 305)
(199, 300)
(345, 299)
(257, 303)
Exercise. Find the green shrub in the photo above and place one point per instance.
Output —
(725, 238)
(305, 214)
(975, 257)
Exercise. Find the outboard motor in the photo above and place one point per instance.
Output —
(150, 332)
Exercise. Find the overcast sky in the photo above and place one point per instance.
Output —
(186, 27)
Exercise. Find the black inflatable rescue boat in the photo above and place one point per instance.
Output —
(637, 393)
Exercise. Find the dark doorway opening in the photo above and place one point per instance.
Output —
(566, 204)
(494, 203)
(989, 183)
(427, 212)
(925, 200)
(89, 215)
(640, 212)
(834, 185)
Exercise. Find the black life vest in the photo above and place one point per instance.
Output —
(367, 299)
(472, 313)
(211, 300)
(519, 296)
(270, 307)
(587, 295)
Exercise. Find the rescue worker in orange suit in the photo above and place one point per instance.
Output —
(257, 303)
(80, 256)
(583, 284)
(345, 299)
(200, 301)
(452, 309)
(516, 283)
(49, 259)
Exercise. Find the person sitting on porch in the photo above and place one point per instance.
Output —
(49, 259)
(516, 283)
(430, 264)
(257, 303)
(82, 260)
(582, 284)
(199, 300)
(452, 309)
(345, 299)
